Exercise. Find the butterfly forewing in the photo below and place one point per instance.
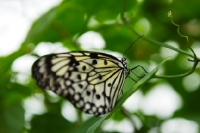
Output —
(91, 81)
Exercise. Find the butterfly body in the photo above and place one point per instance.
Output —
(91, 81)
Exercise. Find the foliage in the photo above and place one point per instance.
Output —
(119, 23)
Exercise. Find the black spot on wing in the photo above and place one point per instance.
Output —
(80, 85)
(105, 62)
(94, 62)
(98, 96)
(100, 77)
(109, 84)
(79, 76)
(84, 68)
(94, 55)
(88, 93)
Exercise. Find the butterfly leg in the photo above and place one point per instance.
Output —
(135, 73)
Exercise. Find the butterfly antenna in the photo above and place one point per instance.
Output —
(132, 45)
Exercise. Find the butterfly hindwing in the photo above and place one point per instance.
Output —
(91, 81)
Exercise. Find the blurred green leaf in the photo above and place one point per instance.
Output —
(58, 24)
(12, 119)
(50, 123)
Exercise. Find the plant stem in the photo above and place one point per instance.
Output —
(149, 39)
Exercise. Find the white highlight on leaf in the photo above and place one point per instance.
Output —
(133, 102)
(179, 125)
(22, 66)
(166, 52)
(161, 101)
(69, 112)
(34, 105)
(90, 40)
(123, 126)
(191, 82)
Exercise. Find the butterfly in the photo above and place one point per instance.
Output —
(91, 81)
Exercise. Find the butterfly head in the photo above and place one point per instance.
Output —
(124, 63)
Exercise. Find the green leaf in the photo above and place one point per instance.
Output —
(12, 119)
(94, 127)
(50, 123)
(125, 96)
(60, 23)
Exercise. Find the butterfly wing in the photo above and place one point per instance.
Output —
(91, 81)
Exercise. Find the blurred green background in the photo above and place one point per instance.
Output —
(161, 105)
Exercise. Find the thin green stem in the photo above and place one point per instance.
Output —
(168, 46)
(151, 40)
(146, 38)
(195, 59)
(193, 55)
(178, 26)
(177, 76)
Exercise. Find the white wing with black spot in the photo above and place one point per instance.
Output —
(91, 81)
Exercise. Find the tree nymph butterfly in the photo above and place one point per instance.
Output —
(91, 81)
